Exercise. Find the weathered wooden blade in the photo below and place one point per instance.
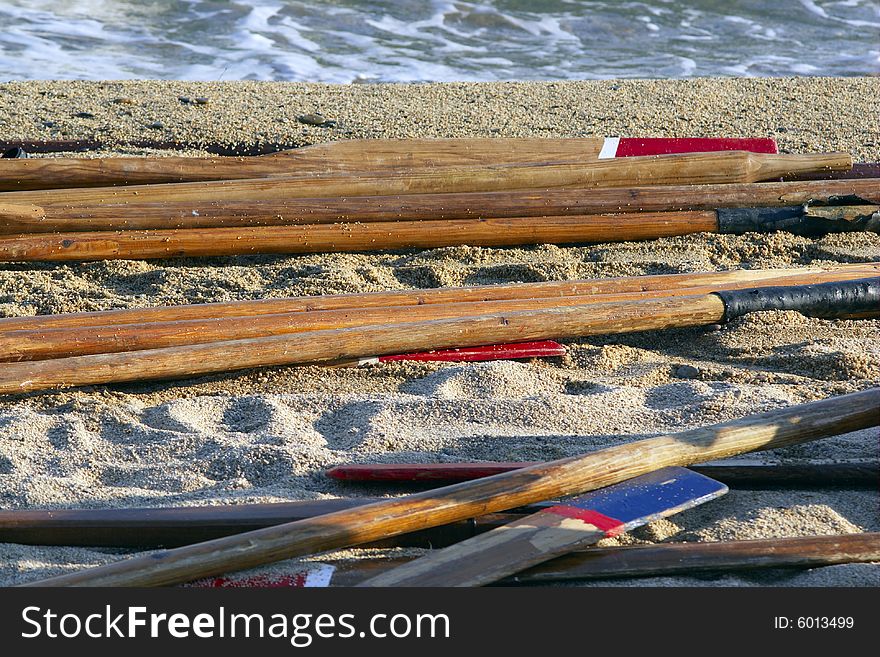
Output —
(572, 524)
(599, 563)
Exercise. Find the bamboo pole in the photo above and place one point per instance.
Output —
(689, 168)
(774, 429)
(41, 343)
(136, 215)
(838, 299)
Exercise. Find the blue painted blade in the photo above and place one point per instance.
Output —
(641, 500)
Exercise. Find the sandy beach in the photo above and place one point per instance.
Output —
(268, 435)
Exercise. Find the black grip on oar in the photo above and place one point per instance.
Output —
(829, 300)
(808, 220)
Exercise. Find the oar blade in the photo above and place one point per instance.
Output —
(534, 349)
(575, 523)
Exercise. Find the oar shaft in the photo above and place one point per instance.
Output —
(135, 215)
(350, 237)
(40, 343)
(352, 343)
(859, 298)
(844, 475)
(686, 558)
(359, 155)
(649, 286)
(774, 429)
(172, 527)
(685, 169)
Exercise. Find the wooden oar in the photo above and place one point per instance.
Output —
(210, 213)
(362, 154)
(650, 286)
(43, 343)
(844, 475)
(840, 299)
(514, 231)
(685, 169)
(603, 147)
(687, 558)
(174, 526)
(570, 525)
(571, 476)
(663, 559)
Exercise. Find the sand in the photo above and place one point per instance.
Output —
(267, 435)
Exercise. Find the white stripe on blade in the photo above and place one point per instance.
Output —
(609, 148)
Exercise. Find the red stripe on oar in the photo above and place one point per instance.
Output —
(537, 349)
(611, 526)
(420, 471)
(297, 580)
(635, 146)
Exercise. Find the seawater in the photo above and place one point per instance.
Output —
(435, 40)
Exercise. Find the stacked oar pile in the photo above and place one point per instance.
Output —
(391, 194)
(419, 194)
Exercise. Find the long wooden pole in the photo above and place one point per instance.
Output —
(774, 429)
(838, 299)
(353, 343)
(686, 558)
(658, 284)
(659, 560)
(48, 173)
(359, 154)
(136, 215)
(149, 528)
(695, 168)
(172, 527)
(42, 343)
(843, 475)
(348, 237)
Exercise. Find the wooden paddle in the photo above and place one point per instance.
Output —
(358, 155)
(684, 169)
(840, 299)
(43, 343)
(571, 476)
(514, 231)
(570, 525)
(650, 286)
(660, 560)
(134, 215)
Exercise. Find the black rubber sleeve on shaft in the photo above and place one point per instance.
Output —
(792, 219)
(828, 300)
